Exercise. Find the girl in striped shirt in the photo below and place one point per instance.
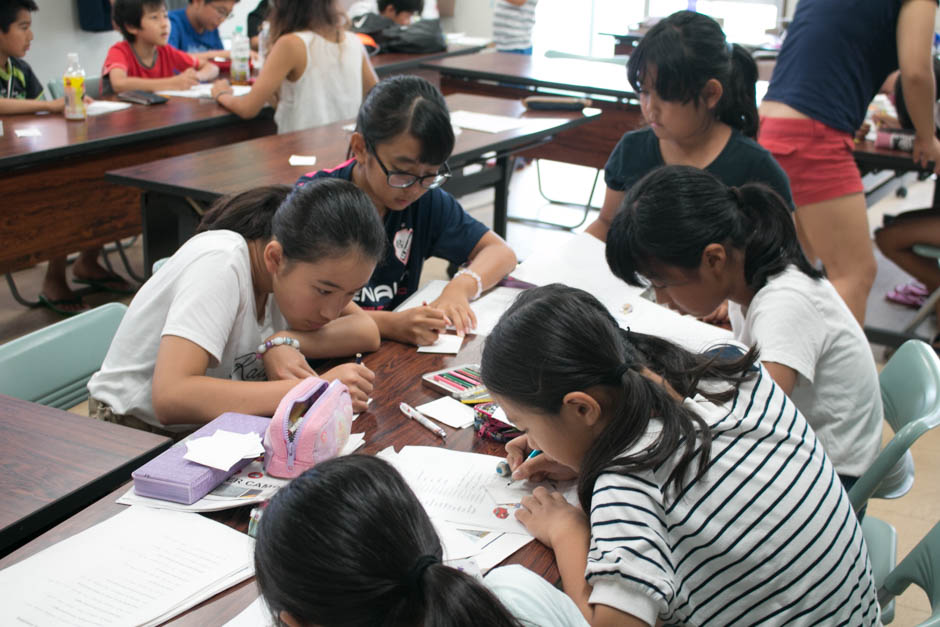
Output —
(705, 496)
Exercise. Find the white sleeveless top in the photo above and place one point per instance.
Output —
(330, 88)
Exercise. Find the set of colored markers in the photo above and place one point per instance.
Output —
(461, 382)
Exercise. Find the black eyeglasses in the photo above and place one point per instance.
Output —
(402, 180)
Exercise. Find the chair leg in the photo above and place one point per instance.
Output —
(558, 225)
(924, 311)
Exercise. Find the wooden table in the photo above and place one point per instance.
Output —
(390, 63)
(397, 378)
(55, 198)
(177, 190)
(516, 76)
(54, 463)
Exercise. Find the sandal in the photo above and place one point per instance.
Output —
(912, 294)
(55, 304)
(112, 283)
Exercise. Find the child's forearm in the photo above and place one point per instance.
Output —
(347, 335)
(13, 106)
(491, 264)
(200, 399)
(128, 83)
(386, 322)
(207, 71)
(571, 552)
(208, 55)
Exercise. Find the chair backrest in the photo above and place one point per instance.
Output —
(93, 87)
(921, 567)
(52, 366)
(910, 392)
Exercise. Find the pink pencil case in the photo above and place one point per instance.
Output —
(311, 425)
(170, 477)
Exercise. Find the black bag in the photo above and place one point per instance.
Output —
(94, 15)
(420, 37)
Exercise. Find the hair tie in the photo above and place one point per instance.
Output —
(621, 370)
(416, 574)
(736, 196)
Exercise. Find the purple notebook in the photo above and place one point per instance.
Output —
(171, 478)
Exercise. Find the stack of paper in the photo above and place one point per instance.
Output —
(223, 449)
(141, 567)
(249, 485)
(100, 107)
(485, 122)
(449, 411)
(488, 308)
(203, 90)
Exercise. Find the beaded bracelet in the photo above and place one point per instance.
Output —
(280, 340)
(476, 277)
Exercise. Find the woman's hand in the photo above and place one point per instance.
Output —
(453, 302)
(221, 86)
(927, 150)
(538, 468)
(286, 362)
(420, 326)
(549, 517)
(719, 317)
(358, 379)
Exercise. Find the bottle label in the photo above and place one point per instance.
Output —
(74, 97)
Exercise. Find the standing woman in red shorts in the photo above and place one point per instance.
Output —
(836, 55)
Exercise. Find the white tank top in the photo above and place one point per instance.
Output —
(330, 88)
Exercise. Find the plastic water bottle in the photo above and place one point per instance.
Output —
(241, 52)
(263, 42)
(74, 83)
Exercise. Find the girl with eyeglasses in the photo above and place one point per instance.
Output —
(399, 152)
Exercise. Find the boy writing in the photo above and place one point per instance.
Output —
(399, 11)
(195, 29)
(20, 90)
(144, 60)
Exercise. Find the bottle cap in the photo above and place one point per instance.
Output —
(238, 29)
(72, 57)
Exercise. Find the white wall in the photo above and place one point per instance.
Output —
(56, 33)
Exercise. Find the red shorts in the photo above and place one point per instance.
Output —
(817, 158)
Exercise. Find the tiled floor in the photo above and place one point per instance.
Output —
(912, 516)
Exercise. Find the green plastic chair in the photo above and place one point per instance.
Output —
(882, 541)
(910, 392)
(921, 567)
(93, 87)
(52, 366)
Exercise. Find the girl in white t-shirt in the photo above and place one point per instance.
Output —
(317, 72)
(348, 543)
(704, 496)
(701, 243)
(228, 322)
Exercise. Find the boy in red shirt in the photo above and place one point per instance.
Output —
(144, 60)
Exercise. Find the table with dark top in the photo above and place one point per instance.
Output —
(516, 76)
(178, 190)
(54, 463)
(389, 63)
(398, 369)
(55, 199)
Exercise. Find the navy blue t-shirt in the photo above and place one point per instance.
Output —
(184, 37)
(835, 57)
(741, 161)
(433, 226)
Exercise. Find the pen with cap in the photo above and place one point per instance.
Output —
(422, 420)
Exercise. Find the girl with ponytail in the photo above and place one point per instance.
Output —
(704, 496)
(697, 93)
(700, 243)
(348, 544)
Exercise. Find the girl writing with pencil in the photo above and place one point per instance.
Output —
(228, 322)
(329, 554)
(701, 243)
(400, 148)
(705, 496)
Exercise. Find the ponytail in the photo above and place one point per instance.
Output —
(674, 212)
(687, 49)
(348, 544)
(573, 344)
(324, 218)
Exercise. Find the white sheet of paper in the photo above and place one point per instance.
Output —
(255, 615)
(501, 548)
(485, 122)
(446, 343)
(308, 160)
(448, 410)
(488, 308)
(223, 449)
(100, 107)
(32, 131)
(203, 90)
(140, 567)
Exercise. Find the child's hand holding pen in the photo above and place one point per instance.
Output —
(538, 467)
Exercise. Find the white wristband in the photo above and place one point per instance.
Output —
(280, 340)
(476, 277)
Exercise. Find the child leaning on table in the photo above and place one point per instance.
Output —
(144, 60)
(228, 322)
(20, 90)
(348, 544)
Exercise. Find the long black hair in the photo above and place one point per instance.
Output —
(569, 342)
(406, 103)
(671, 214)
(288, 16)
(348, 544)
(687, 49)
(323, 218)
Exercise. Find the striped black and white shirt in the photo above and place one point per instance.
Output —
(768, 536)
(512, 25)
